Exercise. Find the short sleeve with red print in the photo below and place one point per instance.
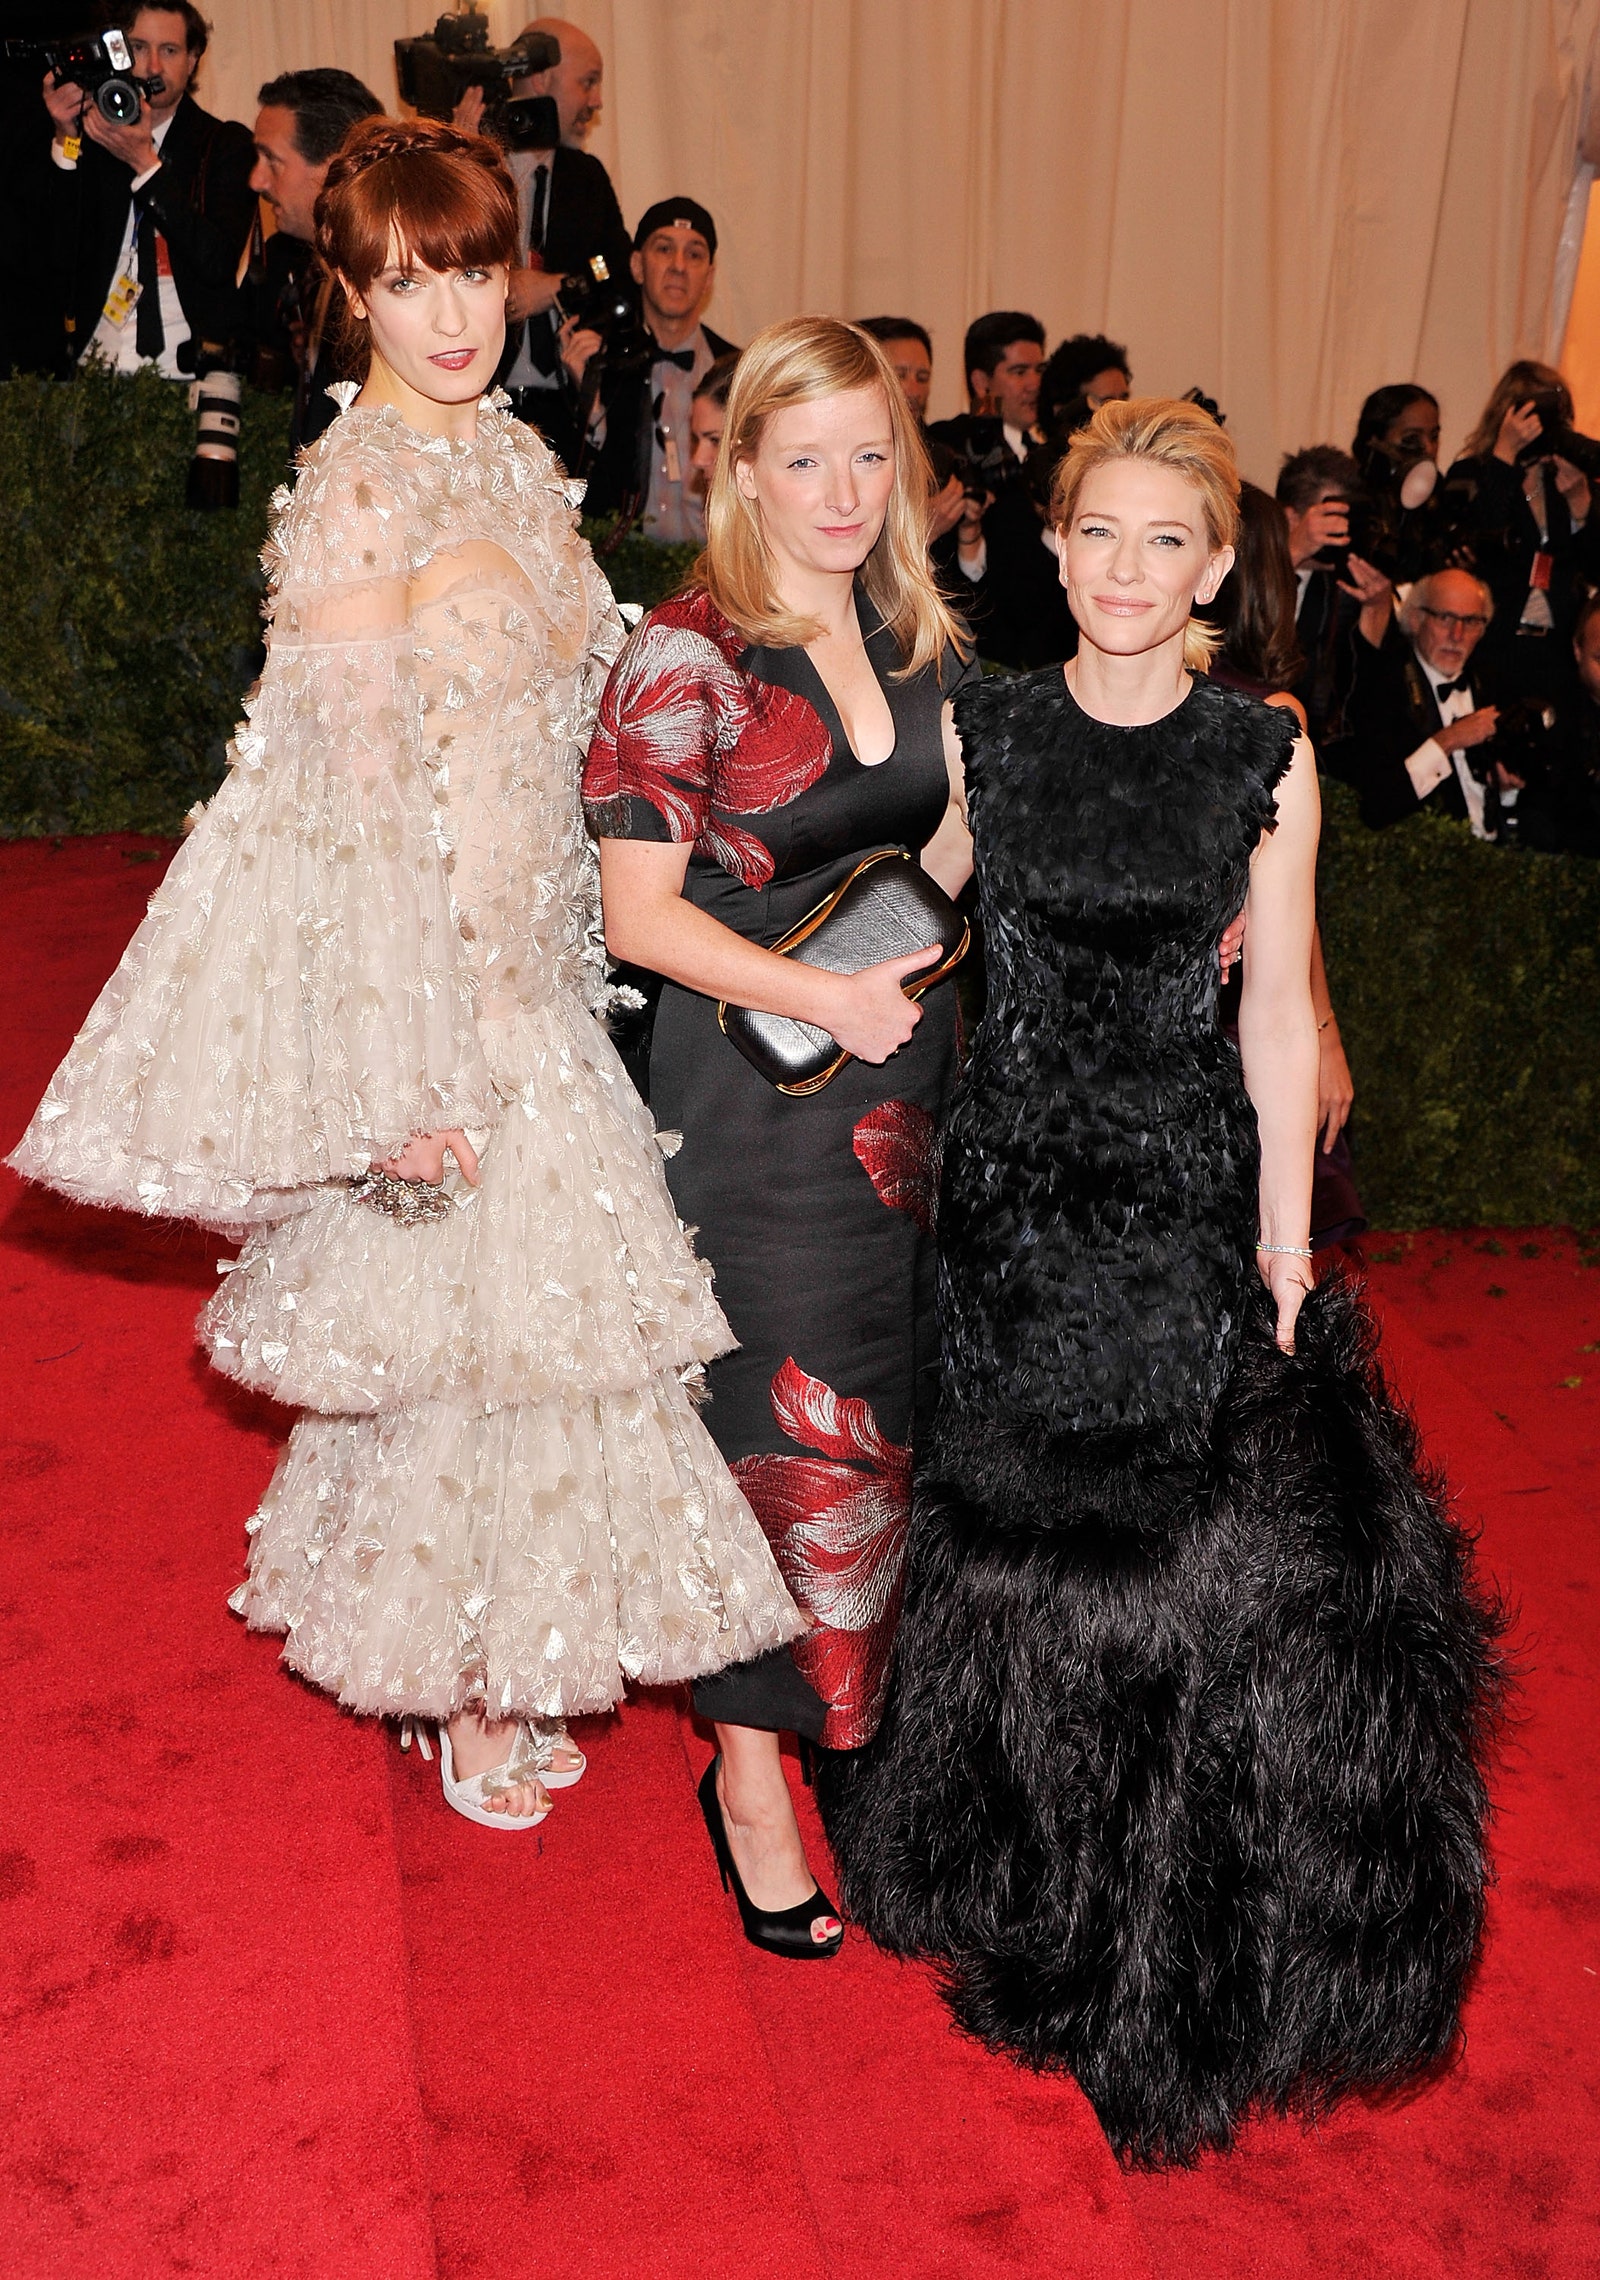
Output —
(687, 741)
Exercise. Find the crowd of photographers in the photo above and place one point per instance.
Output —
(1441, 629)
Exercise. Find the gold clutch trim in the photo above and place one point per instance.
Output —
(808, 926)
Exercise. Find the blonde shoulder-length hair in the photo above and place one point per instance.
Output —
(797, 362)
(1167, 433)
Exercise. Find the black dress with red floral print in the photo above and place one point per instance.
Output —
(814, 1212)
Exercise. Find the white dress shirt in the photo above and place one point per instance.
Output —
(672, 511)
(524, 165)
(116, 343)
(1433, 760)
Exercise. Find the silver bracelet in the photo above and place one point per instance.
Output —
(1286, 1250)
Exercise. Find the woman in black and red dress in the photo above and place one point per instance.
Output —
(763, 733)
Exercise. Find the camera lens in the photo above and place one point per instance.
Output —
(118, 101)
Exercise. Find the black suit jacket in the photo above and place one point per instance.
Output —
(583, 220)
(1330, 641)
(1391, 711)
(619, 474)
(202, 203)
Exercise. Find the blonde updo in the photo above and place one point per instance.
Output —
(1170, 434)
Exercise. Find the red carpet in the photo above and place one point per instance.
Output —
(267, 2008)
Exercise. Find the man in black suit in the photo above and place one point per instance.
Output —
(150, 220)
(1341, 602)
(1415, 711)
(640, 444)
(296, 307)
(1019, 612)
(569, 218)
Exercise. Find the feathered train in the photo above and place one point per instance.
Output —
(1181, 1773)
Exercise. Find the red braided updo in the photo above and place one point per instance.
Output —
(443, 199)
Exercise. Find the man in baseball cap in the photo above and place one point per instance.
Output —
(647, 443)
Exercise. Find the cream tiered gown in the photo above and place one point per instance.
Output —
(386, 922)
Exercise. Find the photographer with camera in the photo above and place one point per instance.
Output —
(1003, 358)
(1340, 597)
(1019, 613)
(1423, 729)
(639, 448)
(152, 212)
(1520, 497)
(568, 215)
(1401, 523)
(297, 308)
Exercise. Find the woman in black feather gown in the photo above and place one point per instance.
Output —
(1180, 1776)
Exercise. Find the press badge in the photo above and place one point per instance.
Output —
(121, 300)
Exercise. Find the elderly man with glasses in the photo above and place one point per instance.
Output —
(1417, 715)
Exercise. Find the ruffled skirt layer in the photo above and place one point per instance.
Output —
(504, 1496)
(564, 1272)
(526, 1560)
(292, 1004)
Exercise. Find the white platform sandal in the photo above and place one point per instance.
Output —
(471, 1798)
(532, 1756)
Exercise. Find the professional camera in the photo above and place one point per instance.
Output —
(1395, 518)
(987, 463)
(944, 461)
(214, 395)
(1558, 438)
(101, 63)
(605, 305)
(600, 303)
(1524, 746)
(436, 70)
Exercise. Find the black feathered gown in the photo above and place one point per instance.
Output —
(1180, 1771)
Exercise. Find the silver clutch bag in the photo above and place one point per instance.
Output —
(887, 908)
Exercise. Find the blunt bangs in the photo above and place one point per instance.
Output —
(440, 199)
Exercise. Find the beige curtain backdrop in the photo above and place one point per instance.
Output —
(1284, 201)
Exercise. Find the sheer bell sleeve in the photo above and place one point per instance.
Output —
(293, 1005)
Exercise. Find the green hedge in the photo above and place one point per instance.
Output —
(1465, 978)
(130, 625)
(1467, 984)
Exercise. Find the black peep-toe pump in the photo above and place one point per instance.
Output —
(786, 1932)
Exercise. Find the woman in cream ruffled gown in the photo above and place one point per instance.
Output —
(378, 949)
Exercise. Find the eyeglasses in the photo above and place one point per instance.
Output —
(1461, 623)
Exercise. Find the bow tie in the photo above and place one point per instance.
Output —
(1453, 689)
(683, 358)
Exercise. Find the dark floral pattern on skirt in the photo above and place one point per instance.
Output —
(837, 1523)
(895, 1144)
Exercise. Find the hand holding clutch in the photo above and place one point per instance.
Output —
(888, 908)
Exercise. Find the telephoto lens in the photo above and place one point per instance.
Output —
(214, 469)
